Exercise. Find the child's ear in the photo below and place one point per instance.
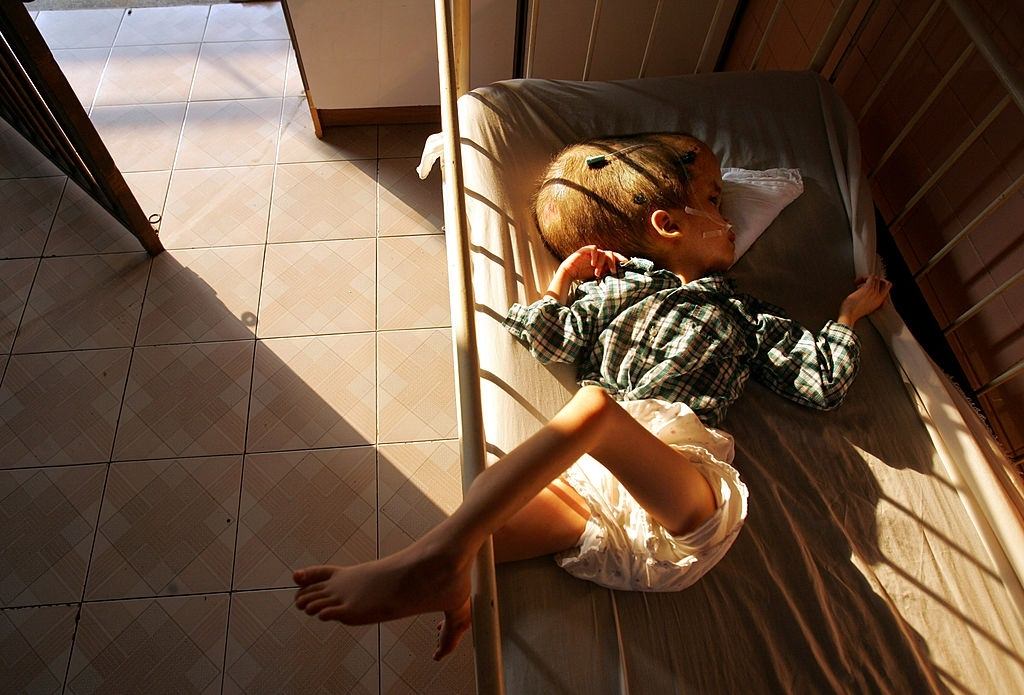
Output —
(664, 223)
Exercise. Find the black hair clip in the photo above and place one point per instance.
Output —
(640, 199)
(688, 157)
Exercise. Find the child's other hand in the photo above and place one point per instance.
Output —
(590, 262)
(870, 294)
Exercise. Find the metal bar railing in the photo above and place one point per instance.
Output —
(592, 40)
(950, 161)
(650, 39)
(898, 60)
(953, 69)
(531, 36)
(1002, 378)
(1006, 72)
(486, 632)
(854, 40)
(831, 36)
(970, 226)
(983, 302)
(764, 36)
(716, 35)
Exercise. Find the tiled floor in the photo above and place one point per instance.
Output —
(275, 390)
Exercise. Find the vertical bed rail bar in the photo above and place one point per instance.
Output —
(531, 36)
(764, 37)
(486, 634)
(592, 40)
(898, 60)
(950, 161)
(997, 60)
(983, 302)
(852, 45)
(835, 29)
(714, 39)
(650, 39)
(922, 109)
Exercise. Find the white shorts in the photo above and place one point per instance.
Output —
(622, 547)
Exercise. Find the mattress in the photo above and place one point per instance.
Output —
(878, 553)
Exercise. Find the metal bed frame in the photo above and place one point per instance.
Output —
(452, 27)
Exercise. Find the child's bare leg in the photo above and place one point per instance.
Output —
(551, 522)
(433, 573)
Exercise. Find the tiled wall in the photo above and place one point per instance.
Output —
(992, 341)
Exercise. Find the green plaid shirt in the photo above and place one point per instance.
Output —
(642, 333)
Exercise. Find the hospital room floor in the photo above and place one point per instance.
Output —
(275, 390)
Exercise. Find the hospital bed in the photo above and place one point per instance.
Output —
(884, 548)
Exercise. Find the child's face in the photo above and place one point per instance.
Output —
(707, 239)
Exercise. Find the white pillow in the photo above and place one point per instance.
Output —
(751, 200)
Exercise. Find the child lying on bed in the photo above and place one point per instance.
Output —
(662, 347)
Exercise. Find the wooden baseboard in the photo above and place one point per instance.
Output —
(388, 115)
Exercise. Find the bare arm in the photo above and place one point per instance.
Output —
(871, 292)
(585, 264)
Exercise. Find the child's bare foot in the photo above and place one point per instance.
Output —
(409, 582)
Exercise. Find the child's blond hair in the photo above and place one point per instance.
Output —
(603, 191)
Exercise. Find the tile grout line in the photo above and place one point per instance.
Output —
(113, 440)
(35, 276)
(252, 382)
(376, 379)
(251, 453)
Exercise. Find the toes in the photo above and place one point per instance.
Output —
(315, 607)
(453, 626)
(335, 613)
(311, 575)
(310, 589)
(302, 601)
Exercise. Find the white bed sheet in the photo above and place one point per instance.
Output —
(879, 553)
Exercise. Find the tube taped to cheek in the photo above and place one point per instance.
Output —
(722, 227)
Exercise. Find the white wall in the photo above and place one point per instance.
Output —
(378, 53)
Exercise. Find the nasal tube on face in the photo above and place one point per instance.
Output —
(721, 229)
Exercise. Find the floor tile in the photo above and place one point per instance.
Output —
(317, 287)
(84, 302)
(37, 429)
(305, 508)
(407, 204)
(312, 392)
(324, 200)
(405, 140)
(140, 137)
(167, 645)
(79, 28)
(82, 226)
(412, 282)
(274, 648)
(185, 400)
(293, 77)
(145, 26)
(166, 527)
(148, 74)
(20, 159)
(83, 67)
(202, 295)
(37, 644)
(415, 385)
(300, 144)
(217, 207)
(240, 70)
(407, 667)
(15, 283)
(230, 133)
(249, 22)
(48, 520)
(29, 207)
(420, 485)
